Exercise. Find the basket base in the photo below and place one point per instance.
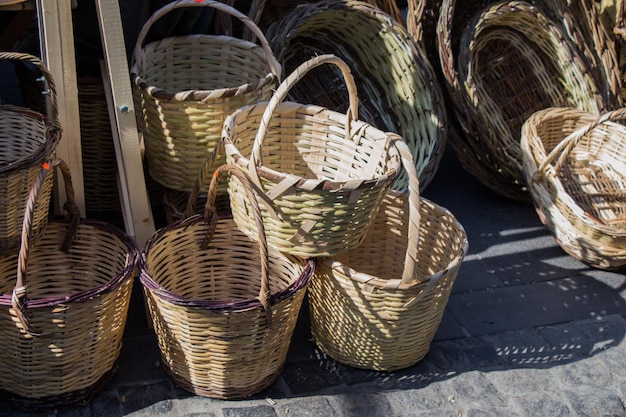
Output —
(56, 403)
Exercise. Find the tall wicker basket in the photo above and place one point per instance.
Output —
(63, 306)
(27, 138)
(223, 306)
(321, 175)
(185, 86)
(380, 305)
(575, 163)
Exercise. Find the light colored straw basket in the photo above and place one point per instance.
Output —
(379, 306)
(185, 86)
(544, 67)
(223, 306)
(398, 88)
(321, 175)
(63, 306)
(575, 163)
(27, 138)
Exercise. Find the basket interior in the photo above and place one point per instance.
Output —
(96, 258)
(441, 241)
(21, 135)
(229, 269)
(309, 142)
(202, 62)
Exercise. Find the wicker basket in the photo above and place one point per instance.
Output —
(472, 37)
(64, 301)
(185, 86)
(27, 138)
(321, 174)
(397, 86)
(223, 306)
(574, 162)
(379, 306)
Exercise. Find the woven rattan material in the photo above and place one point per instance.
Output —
(321, 174)
(223, 312)
(380, 305)
(574, 163)
(185, 86)
(27, 138)
(563, 44)
(63, 313)
(398, 88)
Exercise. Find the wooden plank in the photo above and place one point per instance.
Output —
(134, 196)
(57, 53)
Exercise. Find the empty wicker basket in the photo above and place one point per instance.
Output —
(380, 305)
(223, 306)
(575, 163)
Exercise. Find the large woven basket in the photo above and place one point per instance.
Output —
(321, 174)
(575, 163)
(185, 86)
(545, 67)
(63, 306)
(379, 306)
(398, 89)
(27, 138)
(223, 306)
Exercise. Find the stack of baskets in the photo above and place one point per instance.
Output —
(504, 60)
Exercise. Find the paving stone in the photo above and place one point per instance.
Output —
(541, 405)
(430, 397)
(525, 347)
(473, 388)
(515, 383)
(591, 372)
(474, 274)
(593, 402)
(139, 362)
(449, 356)
(106, 404)
(254, 411)
(138, 397)
(307, 407)
(365, 404)
(449, 328)
(311, 376)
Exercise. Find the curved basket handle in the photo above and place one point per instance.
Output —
(281, 94)
(20, 292)
(560, 152)
(410, 259)
(222, 7)
(201, 180)
(49, 89)
(210, 210)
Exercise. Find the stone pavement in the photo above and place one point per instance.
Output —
(528, 331)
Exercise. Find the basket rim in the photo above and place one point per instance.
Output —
(307, 184)
(383, 283)
(111, 285)
(213, 305)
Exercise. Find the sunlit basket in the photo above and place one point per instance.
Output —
(479, 42)
(575, 163)
(321, 174)
(63, 306)
(223, 306)
(379, 306)
(398, 88)
(27, 138)
(185, 86)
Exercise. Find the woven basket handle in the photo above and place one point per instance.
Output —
(201, 180)
(410, 259)
(281, 94)
(560, 152)
(49, 89)
(20, 292)
(210, 210)
(222, 7)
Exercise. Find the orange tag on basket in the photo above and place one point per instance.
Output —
(46, 166)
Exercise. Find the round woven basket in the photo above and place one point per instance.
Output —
(544, 67)
(185, 86)
(223, 306)
(575, 164)
(379, 306)
(321, 175)
(27, 138)
(63, 306)
(398, 89)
